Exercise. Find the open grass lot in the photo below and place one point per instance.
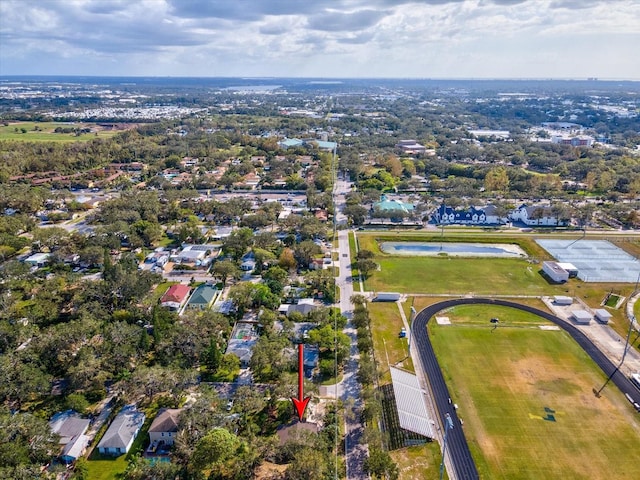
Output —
(480, 276)
(389, 349)
(503, 381)
(44, 132)
(419, 462)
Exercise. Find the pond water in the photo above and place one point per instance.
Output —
(454, 249)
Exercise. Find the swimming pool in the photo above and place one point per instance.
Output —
(453, 249)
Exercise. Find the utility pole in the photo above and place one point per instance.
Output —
(448, 425)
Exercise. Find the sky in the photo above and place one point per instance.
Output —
(322, 38)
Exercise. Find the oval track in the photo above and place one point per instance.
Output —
(457, 445)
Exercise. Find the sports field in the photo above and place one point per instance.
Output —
(525, 395)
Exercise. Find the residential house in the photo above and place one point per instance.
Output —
(411, 147)
(241, 342)
(37, 259)
(251, 180)
(120, 435)
(164, 427)
(316, 264)
(295, 431)
(248, 262)
(537, 215)
(175, 297)
(197, 254)
(71, 428)
(303, 306)
(202, 298)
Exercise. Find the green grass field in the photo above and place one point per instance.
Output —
(526, 398)
(419, 462)
(106, 468)
(481, 276)
(44, 132)
(389, 349)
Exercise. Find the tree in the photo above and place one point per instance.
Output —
(25, 440)
(149, 231)
(216, 450)
(357, 214)
(238, 242)
(497, 180)
(364, 254)
(77, 402)
(225, 269)
(21, 382)
(287, 260)
(380, 465)
(366, 267)
(262, 256)
(212, 356)
(267, 361)
(308, 464)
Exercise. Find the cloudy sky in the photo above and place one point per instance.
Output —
(322, 38)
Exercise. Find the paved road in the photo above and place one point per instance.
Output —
(349, 389)
(457, 447)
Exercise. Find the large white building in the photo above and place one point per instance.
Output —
(574, 141)
(555, 272)
(537, 215)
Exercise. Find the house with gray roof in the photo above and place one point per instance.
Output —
(120, 435)
(71, 429)
(165, 426)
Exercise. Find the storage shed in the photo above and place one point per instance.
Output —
(571, 269)
(602, 315)
(581, 316)
(562, 300)
(555, 272)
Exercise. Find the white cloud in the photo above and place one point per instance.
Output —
(453, 38)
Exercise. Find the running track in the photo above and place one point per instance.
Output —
(457, 447)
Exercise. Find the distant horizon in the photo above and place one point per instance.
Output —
(269, 77)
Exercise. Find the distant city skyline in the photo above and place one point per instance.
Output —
(529, 39)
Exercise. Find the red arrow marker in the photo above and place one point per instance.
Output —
(300, 403)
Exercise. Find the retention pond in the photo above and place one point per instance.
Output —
(453, 249)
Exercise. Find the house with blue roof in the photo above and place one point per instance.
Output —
(470, 216)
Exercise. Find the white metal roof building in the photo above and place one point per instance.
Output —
(412, 410)
(602, 315)
(581, 316)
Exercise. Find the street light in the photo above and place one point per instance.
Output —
(411, 319)
(448, 425)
